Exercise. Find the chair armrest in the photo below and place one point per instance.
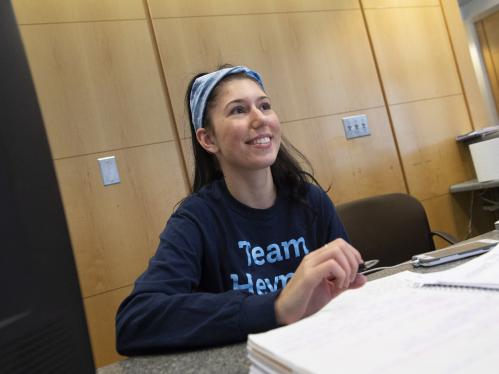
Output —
(445, 236)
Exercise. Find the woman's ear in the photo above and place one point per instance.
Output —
(207, 140)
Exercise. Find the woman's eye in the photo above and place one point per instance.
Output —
(266, 106)
(237, 110)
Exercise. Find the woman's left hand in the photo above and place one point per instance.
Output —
(321, 276)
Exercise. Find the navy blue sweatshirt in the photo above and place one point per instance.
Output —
(218, 269)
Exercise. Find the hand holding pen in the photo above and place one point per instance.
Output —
(321, 276)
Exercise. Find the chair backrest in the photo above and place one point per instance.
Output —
(391, 228)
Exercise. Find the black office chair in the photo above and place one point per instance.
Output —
(391, 228)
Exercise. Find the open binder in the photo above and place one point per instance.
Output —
(408, 322)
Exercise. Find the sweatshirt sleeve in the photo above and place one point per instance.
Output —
(166, 311)
(336, 228)
(332, 225)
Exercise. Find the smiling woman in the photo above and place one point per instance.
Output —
(211, 281)
(244, 136)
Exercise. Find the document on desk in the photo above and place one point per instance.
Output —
(480, 273)
(388, 326)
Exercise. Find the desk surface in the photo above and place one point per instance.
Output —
(473, 185)
(232, 358)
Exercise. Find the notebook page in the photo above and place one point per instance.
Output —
(384, 328)
(482, 271)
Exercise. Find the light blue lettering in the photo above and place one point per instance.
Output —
(296, 245)
(257, 254)
(243, 244)
(260, 286)
(272, 288)
(285, 278)
(274, 253)
(243, 287)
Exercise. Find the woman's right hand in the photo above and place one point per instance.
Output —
(321, 276)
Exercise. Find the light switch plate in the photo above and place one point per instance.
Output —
(356, 126)
(109, 170)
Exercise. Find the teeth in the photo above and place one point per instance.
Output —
(264, 140)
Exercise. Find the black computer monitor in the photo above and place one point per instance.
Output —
(42, 321)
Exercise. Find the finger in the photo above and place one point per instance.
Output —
(356, 253)
(351, 255)
(342, 259)
(359, 281)
(326, 252)
(332, 271)
(354, 257)
(353, 262)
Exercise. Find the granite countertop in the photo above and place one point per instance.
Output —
(231, 358)
(227, 359)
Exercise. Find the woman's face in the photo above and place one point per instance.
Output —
(246, 132)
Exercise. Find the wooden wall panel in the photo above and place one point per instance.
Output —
(481, 116)
(353, 168)
(114, 229)
(193, 8)
(445, 214)
(101, 312)
(488, 32)
(186, 145)
(423, 89)
(425, 132)
(313, 64)
(413, 52)
(52, 11)
(98, 85)
(378, 4)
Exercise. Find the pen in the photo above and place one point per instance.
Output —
(365, 268)
(367, 265)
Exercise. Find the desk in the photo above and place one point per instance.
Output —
(473, 185)
(490, 188)
(232, 358)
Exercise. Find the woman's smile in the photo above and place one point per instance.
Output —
(261, 141)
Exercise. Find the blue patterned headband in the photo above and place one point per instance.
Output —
(203, 86)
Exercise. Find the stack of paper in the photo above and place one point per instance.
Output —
(390, 326)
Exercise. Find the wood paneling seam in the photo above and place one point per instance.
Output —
(461, 83)
(164, 83)
(496, 76)
(436, 196)
(401, 7)
(113, 150)
(427, 99)
(332, 114)
(80, 21)
(387, 107)
(259, 14)
(107, 291)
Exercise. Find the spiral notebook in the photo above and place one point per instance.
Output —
(480, 273)
(402, 323)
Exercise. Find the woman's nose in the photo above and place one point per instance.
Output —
(257, 117)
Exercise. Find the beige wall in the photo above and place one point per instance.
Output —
(111, 81)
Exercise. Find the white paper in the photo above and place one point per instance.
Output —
(482, 271)
(388, 326)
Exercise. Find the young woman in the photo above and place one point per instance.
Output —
(256, 245)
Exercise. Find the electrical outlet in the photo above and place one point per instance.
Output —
(356, 126)
(109, 170)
